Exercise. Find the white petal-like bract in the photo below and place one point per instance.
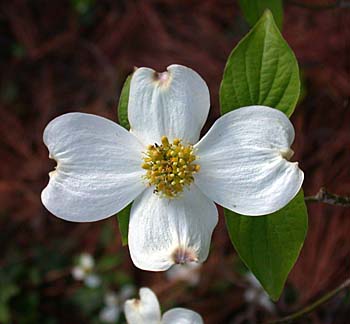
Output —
(92, 280)
(181, 316)
(78, 273)
(243, 160)
(163, 232)
(98, 168)
(86, 261)
(143, 310)
(109, 314)
(174, 103)
(146, 310)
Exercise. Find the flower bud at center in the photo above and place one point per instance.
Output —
(169, 167)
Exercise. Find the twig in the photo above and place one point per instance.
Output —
(328, 198)
(314, 305)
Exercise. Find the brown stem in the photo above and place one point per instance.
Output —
(314, 305)
(328, 198)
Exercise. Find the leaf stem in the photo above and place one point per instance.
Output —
(314, 305)
(328, 198)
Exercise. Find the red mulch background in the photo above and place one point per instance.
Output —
(54, 60)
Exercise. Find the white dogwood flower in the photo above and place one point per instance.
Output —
(86, 261)
(84, 271)
(111, 311)
(172, 177)
(113, 304)
(147, 310)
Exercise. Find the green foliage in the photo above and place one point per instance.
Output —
(85, 10)
(253, 9)
(82, 6)
(107, 235)
(108, 262)
(21, 284)
(270, 245)
(88, 300)
(261, 69)
(123, 221)
(7, 291)
(123, 216)
(123, 104)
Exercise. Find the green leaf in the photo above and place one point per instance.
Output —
(89, 300)
(123, 215)
(123, 221)
(269, 245)
(8, 290)
(108, 262)
(123, 104)
(82, 6)
(261, 70)
(253, 9)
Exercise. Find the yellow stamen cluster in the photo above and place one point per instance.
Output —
(169, 167)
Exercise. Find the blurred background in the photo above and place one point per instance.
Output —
(63, 56)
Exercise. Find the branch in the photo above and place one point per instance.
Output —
(328, 198)
(314, 305)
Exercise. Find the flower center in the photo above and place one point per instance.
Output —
(169, 167)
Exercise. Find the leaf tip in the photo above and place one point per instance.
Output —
(275, 296)
(267, 14)
(268, 17)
